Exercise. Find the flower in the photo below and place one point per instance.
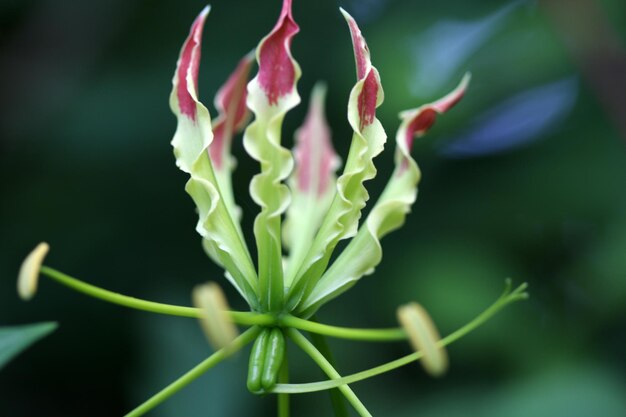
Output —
(321, 209)
(306, 209)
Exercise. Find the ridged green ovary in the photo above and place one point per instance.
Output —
(368, 140)
(191, 140)
(364, 252)
(266, 358)
(256, 364)
(270, 95)
(312, 182)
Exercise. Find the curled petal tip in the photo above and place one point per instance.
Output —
(205, 11)
(416, 122)
(371, 95)
(230, 102)
(230, 94)
(446, 103)
(28, 276)
(277, 70)
(361, 51)
(346, 15)
(250, 56)
(188, 66)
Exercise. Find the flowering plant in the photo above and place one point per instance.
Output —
(320, 208)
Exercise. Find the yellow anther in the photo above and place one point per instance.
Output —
(216, 323)
(424, 337)
(29, 272)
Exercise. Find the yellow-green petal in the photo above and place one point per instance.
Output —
(368, 140)
(223, 239)
(270, 95)
(364, 252)
(312, 182)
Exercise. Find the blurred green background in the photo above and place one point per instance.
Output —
(525, 178)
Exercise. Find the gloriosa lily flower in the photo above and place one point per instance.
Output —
(319, 207)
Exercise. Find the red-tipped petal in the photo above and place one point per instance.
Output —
(368, 99)
(230, 102)
(316, 159)
(277, 71)
(231, 97)
(424, 118)
(188, 65)
(369, 96)
(361, 51)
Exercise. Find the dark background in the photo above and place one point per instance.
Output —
(525, 178)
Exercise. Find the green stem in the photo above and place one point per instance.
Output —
(239, 317)
(321, 361)
(373, 335)
(283, 399)
(245, 338)
(504, 300)
(336, 399)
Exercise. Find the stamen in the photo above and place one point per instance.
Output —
(28, 277)
(214, 319)
(240, 317)
(424, 338)
(505, 299)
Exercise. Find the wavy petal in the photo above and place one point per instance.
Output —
(270, 95)
(368, 140)
(364, 252)
(312, 182)
(230, 103)
(191, 141)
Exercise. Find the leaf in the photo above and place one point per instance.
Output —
(341, 221)
(15, 339)
(270, 95)
(364, 252)
(222, 236)
(312, 182)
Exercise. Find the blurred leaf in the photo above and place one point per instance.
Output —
(15, 339)
(521, 119)
(447, 45)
